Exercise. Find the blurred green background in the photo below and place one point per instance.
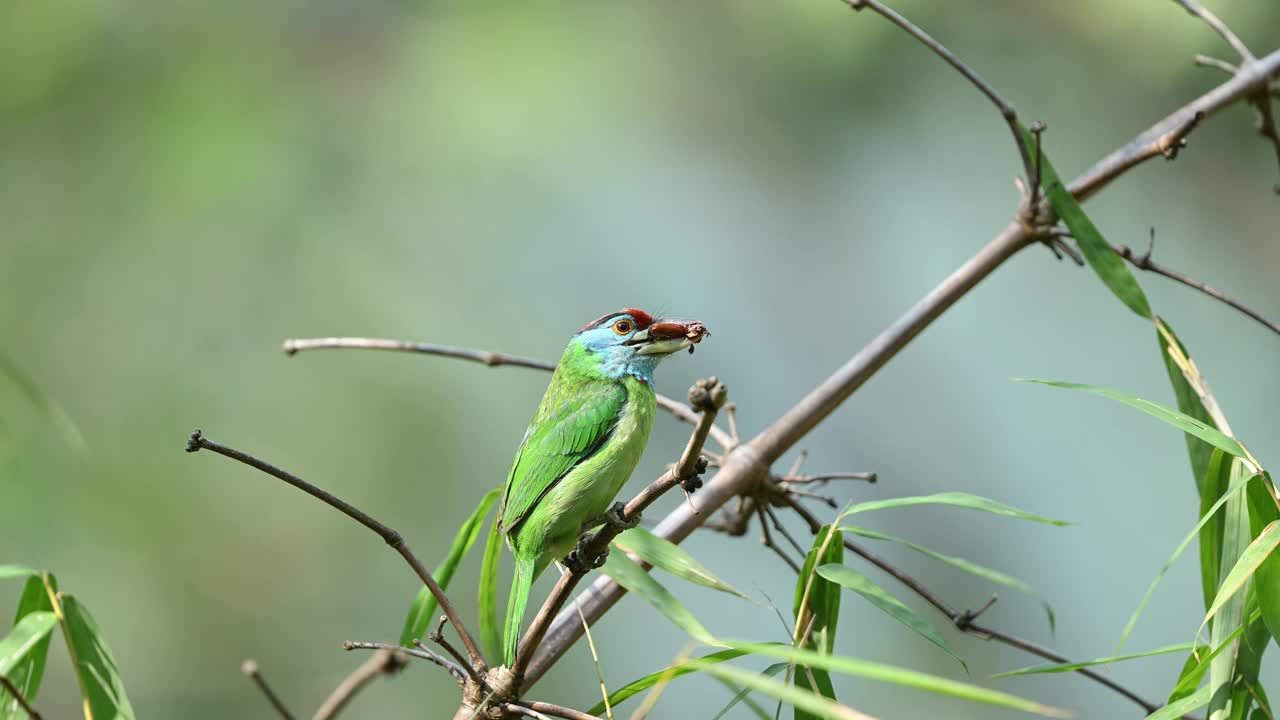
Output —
(183, 185)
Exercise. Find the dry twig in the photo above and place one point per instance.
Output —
(421, 651)
(384, 662)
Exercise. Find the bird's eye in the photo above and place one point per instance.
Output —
(622, 327)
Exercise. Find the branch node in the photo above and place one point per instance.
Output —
(964, 620)
(195, 441)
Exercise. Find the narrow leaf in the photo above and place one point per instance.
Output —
(99, 677)
(631, 576)
(1185, 423)
(1110, 269)
(857, 582)
(1235, 538)
(16, 571)
(1194, 669)
(666, 555)
(71, 434)
(1188, 403)
(770, 671)
(1177, 709)
(490, 623)
(635, 687)
(1216, 480)
(1250, 559)
(900, 676)
(1266, 580)
(817, 607)
(812, 703)
(24, 637)
(27, 673)
(423, 610)
(1069, 667)
(955, 499)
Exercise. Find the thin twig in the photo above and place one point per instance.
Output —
(1218, 26)
(595, 659)
(1144, 262)
(1166, 145)
(437, 637)
(777, 525)
(766, 539)
(197, 441)
(1213, 62)
(1006, 110)
(708, 395)
(383, 662)
(421, 651)
(825, 477)
(31, 712)
(559, 711)
(293, 346)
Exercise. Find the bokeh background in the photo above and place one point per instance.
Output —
(183, 185)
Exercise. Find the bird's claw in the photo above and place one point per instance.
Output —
(616, 516)
(694, 481)
(578, 562)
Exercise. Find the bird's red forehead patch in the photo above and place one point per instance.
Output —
(642, 318)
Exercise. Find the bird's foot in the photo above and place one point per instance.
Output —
(616, 517)
(582, 560)
(694, 481)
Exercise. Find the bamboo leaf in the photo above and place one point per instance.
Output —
(955, 499)
(631, 576)
(423, 610)
(490, 623)
(1185, 423)
(1069, 667)
(105, 697)
(635, 687)
(1266, 580)
(899, 676)
(1110, 269)
(24, 637)
(853, 580)
(1197, 664)
(803, 700)
(770, 671)
(28, 671)
(1188, 403)
(666, 555)
(1240, 573)
(1235, 539)
(1216, 479)
(1177, 709)
(16, 571)
(817, 607)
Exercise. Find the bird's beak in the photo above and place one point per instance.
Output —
(664, 337)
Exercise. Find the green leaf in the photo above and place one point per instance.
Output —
(104, 693)
(899, 676)
(666, 555)
(490, 623)
(1235, 539)
(815, 705)
(16, 571)
(1197, 665)
(1189, 403)
(1204, 520)
(71, 434)
(956, 499)
(959, 563)
(1110, 269)
(27, 673)
(24, 637)
(1266, 580)
(770, 671)
(1177, 709)
(423, 610)
(822, 604)
(1216, 479)
(631, 576)
(1185, 423)
(1069, 667)
(635, 687)
(1243, 570)
(857, 582)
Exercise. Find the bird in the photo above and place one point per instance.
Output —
(584, 441)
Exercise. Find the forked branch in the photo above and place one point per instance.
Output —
(384, 662)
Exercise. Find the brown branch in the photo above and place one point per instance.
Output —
(383, 662)
(1213, 62)
(293, 346)
(18, 696)
(1165, 144)
(1144, 262)
(826, 477)
(766, 539)
(421, 651)
(197, 441)
(708, 395)
(1006, 110)
(542, 709)
(1197, 10)
(250, 669)
(437, 637)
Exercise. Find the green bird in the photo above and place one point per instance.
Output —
(582, 444)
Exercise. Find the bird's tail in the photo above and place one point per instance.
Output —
(526, 569)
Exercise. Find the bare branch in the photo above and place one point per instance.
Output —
(8, 686)
(546, 708)
(1006, 110)
(421, 651)
(383, 662)
(766, 539)
(197, 441)
(1165, 144)
(1198, 10)
(826, 477)
(1144, 262)
(437, 637)
(293, 346)
(1213, 62)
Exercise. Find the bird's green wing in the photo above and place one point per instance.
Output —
(573, 422)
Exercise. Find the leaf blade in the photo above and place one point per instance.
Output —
(29, 670)
(1072, 666)
(487, 603)
(24, 636)
(673, 559)
(639, 685)
(631, 576)
(812, 703)
(954, 499)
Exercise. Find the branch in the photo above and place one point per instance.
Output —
(708, 395)
(1218, 26)
(383, 662)
(492, 359)
(197, 441)
(1006, 110)
(422, 652)
(18, 696)
(542, 709)
(1144, 262)
(747, 465)
(250, 668)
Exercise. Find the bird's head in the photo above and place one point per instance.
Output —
(632, 342)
